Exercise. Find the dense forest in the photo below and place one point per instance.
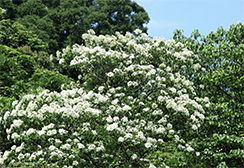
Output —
(83, 85)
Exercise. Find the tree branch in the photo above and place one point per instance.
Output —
(92, 160)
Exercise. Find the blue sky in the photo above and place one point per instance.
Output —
(204, 15)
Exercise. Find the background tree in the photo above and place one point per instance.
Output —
(15, 35)
(23, 62)
(221, 56)
(62, 22)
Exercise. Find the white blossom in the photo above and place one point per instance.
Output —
(126, 108)
(80, 145)
(100, 148)
(21, 156)
(51, 132)
(160, 130)
(110, 74)
(134, 156)
(32, 157)
(61, 61)
(109, 119)
(189, 149)
(52, 148)
(121, 139)
(13, 147)
(101, 88)
(124, 119)
(58, 141)
(6, 115)
(171, 131)
(112, 127)
(194, 127)
(66, 146)
(196, 66)
(19, 148)
(15, 135)
(62, 131)
(151, 165)
(41, 132)
(91, 147)
(128, 135)
(148, 144)
(137, 31)
(169, 125)
(115, 101)
(30, 131)
(94, 132)
(75, 163)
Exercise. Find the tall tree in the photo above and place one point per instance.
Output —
(129, 118)
(62, 22)
(221, 53)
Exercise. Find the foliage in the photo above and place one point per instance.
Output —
(41, 164)
(51, 80)
(22, 72)
(22, 59)
(43, 27)
(221, 55)
(61, 22)
(2, 13)
(123, 115)
(15, 35)
(15, 69)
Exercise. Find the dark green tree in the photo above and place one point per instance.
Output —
(108, 16)
(221, 53)
(15, 35)
(24, 61)
(62, 22)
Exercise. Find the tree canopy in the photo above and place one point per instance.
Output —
(221, 55)
(61, 22)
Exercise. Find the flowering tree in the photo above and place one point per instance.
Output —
(134, 98)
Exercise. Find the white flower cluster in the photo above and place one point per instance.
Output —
(140, 93)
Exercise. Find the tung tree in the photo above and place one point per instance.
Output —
(133, 99)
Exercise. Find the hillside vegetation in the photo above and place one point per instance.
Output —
(112, 96)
